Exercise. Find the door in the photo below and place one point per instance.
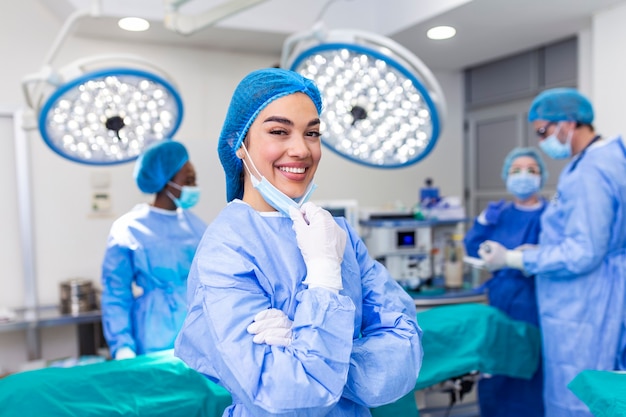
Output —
(490, 134)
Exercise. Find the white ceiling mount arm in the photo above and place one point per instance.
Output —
(33, 84)
(94, 11)
(172, 5)
(188, 24)
(294, 43)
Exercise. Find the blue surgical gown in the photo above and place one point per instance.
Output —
(152, 249)
(513, 293)
(350, 351)
(580, 268)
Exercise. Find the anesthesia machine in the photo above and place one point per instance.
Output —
(404, 248)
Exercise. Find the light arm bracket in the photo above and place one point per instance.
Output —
(188, 24)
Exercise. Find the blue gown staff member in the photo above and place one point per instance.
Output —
(148, 255)
(287, 310)
(580, 263)
(513, 224)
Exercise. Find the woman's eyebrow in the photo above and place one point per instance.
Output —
(279, 119)
(286, 121)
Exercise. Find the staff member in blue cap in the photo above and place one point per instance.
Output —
(513, 223)
(580, 263)
(148, 255)
(286, 308)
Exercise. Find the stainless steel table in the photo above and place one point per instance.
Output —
(88, 326)
(426, 301)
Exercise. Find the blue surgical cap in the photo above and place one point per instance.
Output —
(158, 164)
(561, 104)
(516, 153)
(252, 95)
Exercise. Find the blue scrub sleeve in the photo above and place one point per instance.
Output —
(266, 379)
(586, 233)
(484, 229)
(475, 236)
(494, 210)
(386, 359)
(117, 297)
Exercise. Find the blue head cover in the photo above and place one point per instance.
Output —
(561, 104)
(516, 153)
(252, 95)
(158, 164)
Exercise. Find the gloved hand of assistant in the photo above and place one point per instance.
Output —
(497, 256)
(125, 353)
(271, 327)
(322, 243)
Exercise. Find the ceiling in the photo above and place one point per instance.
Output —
(486, 29)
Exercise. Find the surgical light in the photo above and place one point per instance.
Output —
(382, 106)
(103, 109)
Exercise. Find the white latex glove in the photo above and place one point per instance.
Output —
(271, 327)
(125, 353)
(322, 243)
(497, 256)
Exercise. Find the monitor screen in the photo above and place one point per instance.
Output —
(405, 239)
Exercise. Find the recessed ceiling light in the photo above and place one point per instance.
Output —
(441, 32)
(133, 24)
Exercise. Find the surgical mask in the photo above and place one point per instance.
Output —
(553, 147)
(523, 185)
(272, 195)
(189, 195)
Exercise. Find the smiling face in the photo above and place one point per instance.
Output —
(284, 144)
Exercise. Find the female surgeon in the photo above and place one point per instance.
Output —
(287, 310)
(513, 224)
(148, 255)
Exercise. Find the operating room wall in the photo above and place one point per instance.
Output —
(69, 239)
(608, 65)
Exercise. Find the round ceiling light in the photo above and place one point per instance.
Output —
(133, 24)
(441, 32)
(109, 116)
(380, 107)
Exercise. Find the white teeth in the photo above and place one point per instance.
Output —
(293, 170)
